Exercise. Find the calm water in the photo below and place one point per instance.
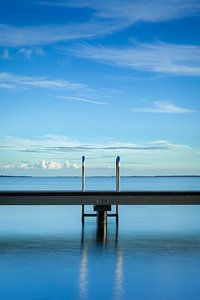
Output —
(46, 254)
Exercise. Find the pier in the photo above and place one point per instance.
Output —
(102, 201)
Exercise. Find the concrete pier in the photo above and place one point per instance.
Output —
(101, 200)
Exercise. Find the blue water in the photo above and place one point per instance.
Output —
(45, 253)
(99, 183)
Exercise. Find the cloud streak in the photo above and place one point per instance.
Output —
(50, 153)
(52, 144)
(13, 81)
(172, 59)
(133, 11)
(163, 107)
(83, 100)
(105, 18)
(12, 36)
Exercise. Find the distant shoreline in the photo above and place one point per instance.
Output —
(130, 176)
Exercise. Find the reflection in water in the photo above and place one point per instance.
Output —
(119, 275)
(101, 238)
(84, 274)
(101, 233)
(83, 278)
(155, 255)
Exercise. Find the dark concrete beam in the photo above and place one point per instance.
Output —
(99, 198)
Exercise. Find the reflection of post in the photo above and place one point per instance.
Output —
(101, 234)
(83, 279)
(102, 222)
(118, 269)
(83, 184)
(117, 183)
(83, 274)
(101, 239)
(118, 287)
(119, 275)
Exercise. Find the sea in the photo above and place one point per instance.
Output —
(153, 254)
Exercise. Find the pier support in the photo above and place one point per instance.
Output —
(102, 213)
(102, 217)
(102, 221)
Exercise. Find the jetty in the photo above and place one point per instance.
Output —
(102, 201)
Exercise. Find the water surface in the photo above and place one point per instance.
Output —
(45, 253)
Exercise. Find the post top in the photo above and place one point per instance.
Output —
(117, 159)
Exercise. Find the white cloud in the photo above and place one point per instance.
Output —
(67, 164)
(8, 86)
(163, 107)
(11, 36)
(53, 165)
(41, 164)
(106, 17)
(62, 156)
(48, 141)
(13, 81)
(178, 148)
(53, 144)
(78, 99)
(8, 166)
(159, 142)
(24, 166)
(30, 52)
(134, 11)
(158, 58)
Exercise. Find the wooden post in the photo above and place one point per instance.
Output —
(83, 186)
(117, 184)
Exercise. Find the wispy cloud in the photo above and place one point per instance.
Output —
(9, 86)
(105, 18)
(158, 58)
(163, 107)
(11, 36)
(46, 154)
(78, 99)
(30, 52)
(38, 143)
(174, 147)
(52, 144)
(13, 81)
(133, 11)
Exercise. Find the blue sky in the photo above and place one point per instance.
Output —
(100, 79)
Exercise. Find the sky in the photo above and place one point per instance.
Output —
(99, 78)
